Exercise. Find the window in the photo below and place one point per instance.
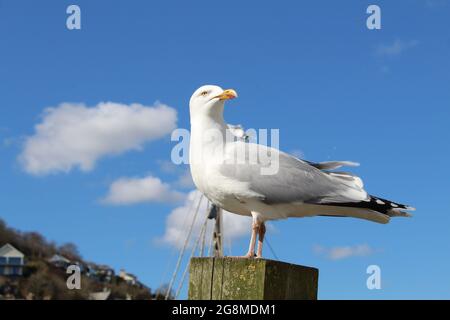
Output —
(2, 261)
(15, 261)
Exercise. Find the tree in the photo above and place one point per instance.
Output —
(70, 251)
(160, 293)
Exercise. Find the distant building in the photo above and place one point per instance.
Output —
(105, 273)
(101, 295)
(128, 277)
(100, 273)
(59, 261)
(90, 270)
(80, 265)
(11, 261)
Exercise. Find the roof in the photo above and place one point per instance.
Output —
(59, 258)
(103, 267)
(127, 276)
(9, 251)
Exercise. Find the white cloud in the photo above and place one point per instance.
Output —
(74, 135)
(125, 191)
(396, 48)
(338, 253)
(180, 219)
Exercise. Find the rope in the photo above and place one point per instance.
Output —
(217, 235)
(271, 249)
(202, 237)
(211, 242)
(202, 247)
(191, 206)
(192, 254)
(180, 257)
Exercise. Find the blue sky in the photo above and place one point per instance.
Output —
(336, 91)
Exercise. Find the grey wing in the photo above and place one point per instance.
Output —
(331, 165)
(294, 180)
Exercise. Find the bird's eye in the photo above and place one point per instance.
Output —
(204, 93)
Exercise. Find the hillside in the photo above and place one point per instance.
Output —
(43, 275)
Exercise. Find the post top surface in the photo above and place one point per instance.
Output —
(255, 260)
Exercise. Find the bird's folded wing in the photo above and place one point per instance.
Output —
(294, 181)
(331, 165)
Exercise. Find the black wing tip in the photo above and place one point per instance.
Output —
(391, 205)
(377, 204)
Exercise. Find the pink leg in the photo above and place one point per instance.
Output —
(251, 247)
(262, 232)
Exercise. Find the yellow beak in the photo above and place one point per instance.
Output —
(227, 94)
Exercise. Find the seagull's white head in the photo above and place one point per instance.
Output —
(209, 101)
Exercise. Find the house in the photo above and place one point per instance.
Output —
(90, 270)
(105, 273)
(11, 261)
(100, 273)
(142, 286)
(81, 265)
(128, 277)
(59, 261)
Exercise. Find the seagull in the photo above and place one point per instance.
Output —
(245, 186)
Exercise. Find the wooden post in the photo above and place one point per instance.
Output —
(250, 279)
